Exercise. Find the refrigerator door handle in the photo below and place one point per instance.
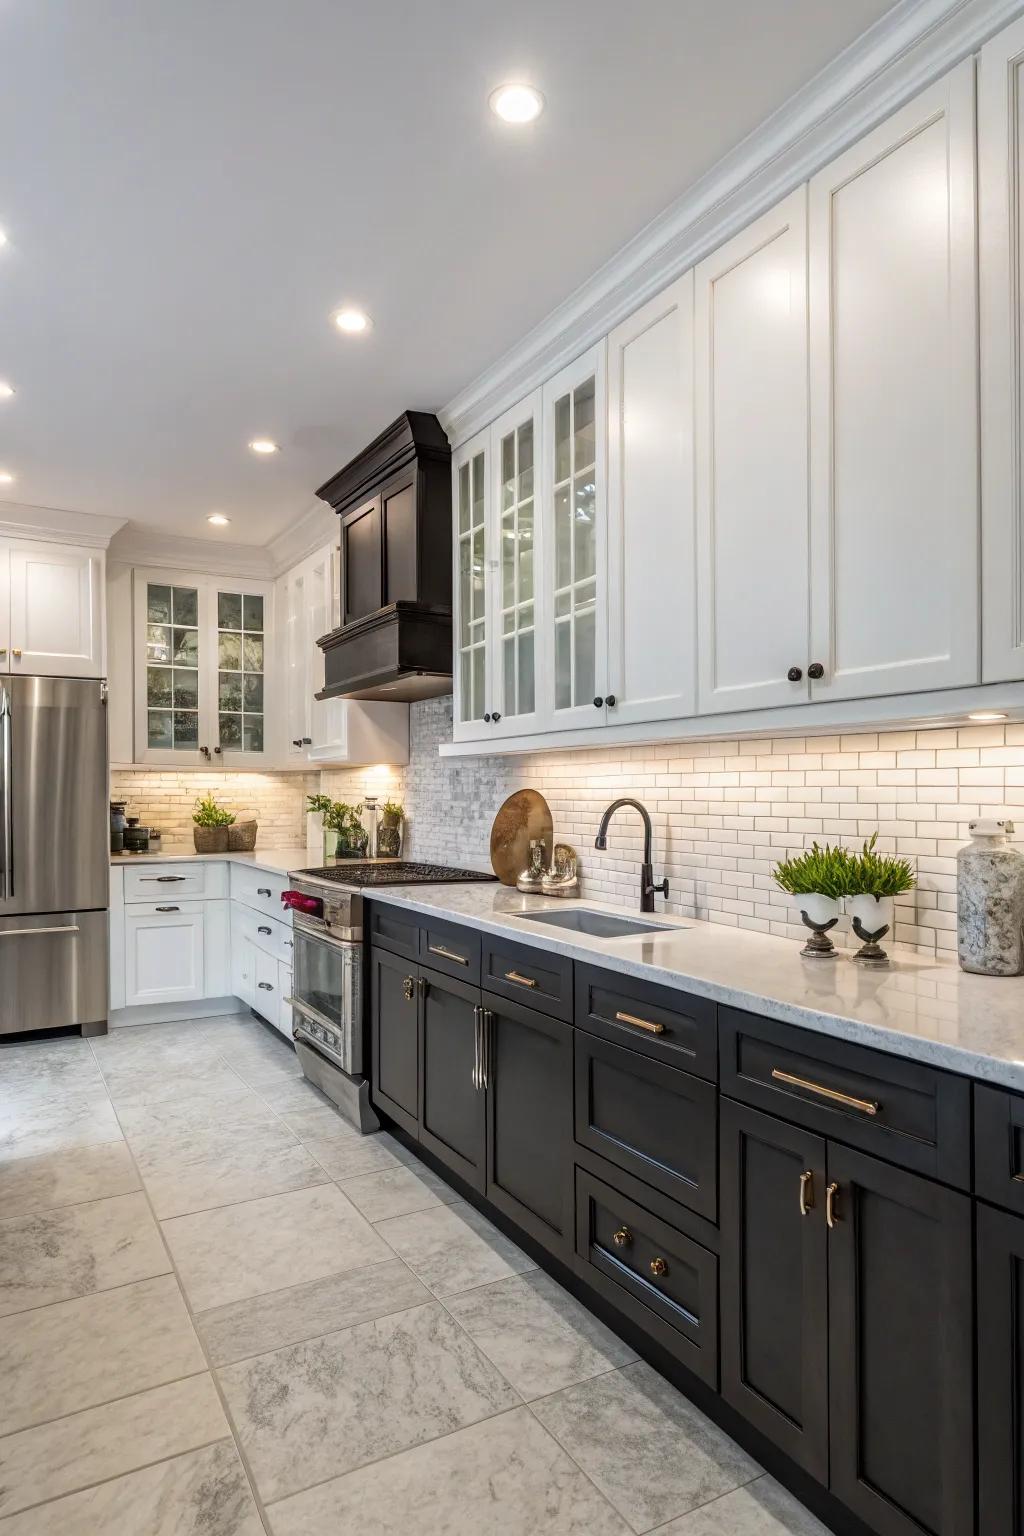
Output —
(6, 793)
(31, 933)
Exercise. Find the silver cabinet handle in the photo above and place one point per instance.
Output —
(23, 933)
(162, 879)
(168, 909)
(477, 1084)
(264, 929)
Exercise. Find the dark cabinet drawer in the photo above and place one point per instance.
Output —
(658, 1021)
(452, 949)
(999, 1146)
(900, 1110)
(527, 975)
(649, 1119)
(395, 930)
(661, 1279)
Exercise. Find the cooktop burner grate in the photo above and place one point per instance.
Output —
(393, 874)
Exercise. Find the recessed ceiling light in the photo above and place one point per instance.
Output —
(218, 519)
(6, 390)
(516, 103)
(263, 445)
(987, 714)
(6, 478)
(352, 321)
(3, 238)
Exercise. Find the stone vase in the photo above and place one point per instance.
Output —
(990, 901)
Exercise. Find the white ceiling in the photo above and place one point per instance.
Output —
(190, 187)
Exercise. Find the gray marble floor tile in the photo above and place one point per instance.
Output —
(319, 1121)
(646, 1447)
(317, 1409)
(397, 1191)
(148, 1038)
(203, 1493)
(453, 1248)
(762, 1508)
(76, 1354)
(291, 1095)
(66, 1178)
(145, 1081)
(344, 1157)
(223, 1167)
(504, 1477)
(230, 1104)
(256, 1067)
(263, 1323)
(248, 1250)
(88, 1447)
(29, 1129)
(51, 1256)
(539, 1337)
(49, 1070)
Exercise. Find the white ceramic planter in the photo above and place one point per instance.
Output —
(874, 912)
(819, 908)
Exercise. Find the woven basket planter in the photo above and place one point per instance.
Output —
(242, 836)
(210, 839)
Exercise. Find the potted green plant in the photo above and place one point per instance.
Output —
(389, 833)
(875, 879)
(817, 880)
(210, 826)
(317, 807)
(352, 835)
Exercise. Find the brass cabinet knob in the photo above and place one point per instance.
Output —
(17, 652)
(3, 650)
(622, 1238)
(659, 1267)
(409, 989)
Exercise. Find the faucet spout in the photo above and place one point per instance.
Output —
(648, 890)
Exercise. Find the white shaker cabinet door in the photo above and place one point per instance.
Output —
(651, 553)
(1001, 207)
(516, 535)
(750, 347)
(894, 460)
(164, 953)
(56, 611)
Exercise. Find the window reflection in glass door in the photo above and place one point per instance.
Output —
(472, 590)
(240, 671)
(517, 574)
(575, 580)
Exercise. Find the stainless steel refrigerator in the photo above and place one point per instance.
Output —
(54, 854)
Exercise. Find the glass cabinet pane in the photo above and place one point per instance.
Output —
(472, 630)
(575, 567)
(240, 663)
(172, 662)
(517, 569)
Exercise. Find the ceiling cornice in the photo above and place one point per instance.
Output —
(312, 529)
(169, 551)
(57, 525)
(903, 52)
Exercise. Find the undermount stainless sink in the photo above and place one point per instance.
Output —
(600, 925)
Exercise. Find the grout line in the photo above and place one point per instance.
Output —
(99, 1482)
(106, 1402)
(654, 1529)
(107, 1290)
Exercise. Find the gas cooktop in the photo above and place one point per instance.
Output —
(398, 873)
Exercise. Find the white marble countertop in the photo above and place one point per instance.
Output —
(918, 1008)
(277, 860)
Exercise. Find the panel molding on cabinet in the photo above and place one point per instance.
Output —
(472, 590)
(55, 617)
(894, 455)
(517, 535)
(750, 394)
(652, 642)
(1001, 206)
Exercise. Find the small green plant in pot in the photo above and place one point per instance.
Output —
(389, 833)
(817, 880)
(875, 880)
(210, 825)
(350, 836)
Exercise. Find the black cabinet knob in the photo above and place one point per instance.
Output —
(296, 741)
(495, 717)
(795, 674)
(610, 700)
(487, 719)
(816, 670)
(599, 703)
(307, 741)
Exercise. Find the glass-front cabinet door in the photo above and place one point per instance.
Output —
(574, 408)
(474, 705)
(516, 539)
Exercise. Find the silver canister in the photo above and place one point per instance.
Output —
(990, 901)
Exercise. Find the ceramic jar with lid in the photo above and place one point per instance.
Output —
(990, 901)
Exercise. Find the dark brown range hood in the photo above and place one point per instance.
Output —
(394, 501)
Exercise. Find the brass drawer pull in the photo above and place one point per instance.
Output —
(409, 988)
(622, 1238)
(659, 1267)
(863, 1106)
(523, 981)
(449, 954)
(806, 1192)
(648, 1024)
(831, 1215)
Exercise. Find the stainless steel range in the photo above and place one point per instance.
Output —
(329, 965)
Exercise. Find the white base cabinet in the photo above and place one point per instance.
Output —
(165, 953)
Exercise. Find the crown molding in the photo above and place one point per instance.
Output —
(56, 525)
(317, 526)
(902, 53)
(136, 545)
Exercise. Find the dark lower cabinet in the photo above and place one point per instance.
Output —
(394, 1015)
(901, 1393)
(774, 1287)
(452, 1103)
(529, 1121)
(1000, 1373)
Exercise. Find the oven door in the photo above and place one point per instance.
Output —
(327, 997)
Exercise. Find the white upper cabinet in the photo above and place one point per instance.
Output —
(894, 459)
(516, 537)
(573, 596)
(651, 577)
(51, 610)
(472, 583)
(750, 347)
(1001, 202)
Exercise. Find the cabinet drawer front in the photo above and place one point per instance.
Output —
(283, 1020)
(662, 1280)
(650, 1120)
(999, 1146)
(909, 1114)
(657, 1021)
(395, 930)
(267, 989)
(265, 933)
(527, 975)
(451, 949)
(159, 882)
(258, 888)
